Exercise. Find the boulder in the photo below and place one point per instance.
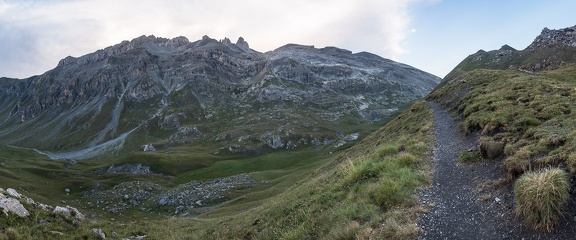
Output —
(13, 193)
(62, 210)
(148, 148)
(11, 205)
(57, 233)
(131, 168)
(97, 232)
(69, 211)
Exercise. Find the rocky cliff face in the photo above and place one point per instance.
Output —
(548, 51)
(152, 93)
(551, 38)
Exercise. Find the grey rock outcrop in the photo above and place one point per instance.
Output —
(147, 196)
(346, 139)
(547, 38)
(13, 193)
(113, 200)
(272, 140)
(130, 168)
(98, 233)
(242, 43)
(148, 148)
(226, 41)
(196, 194)
(11, 205)
(27, 212)
(69, 212)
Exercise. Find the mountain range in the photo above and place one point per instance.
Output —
(152, 93)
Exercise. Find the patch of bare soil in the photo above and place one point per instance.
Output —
(473, 201)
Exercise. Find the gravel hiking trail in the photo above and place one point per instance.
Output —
(465, 202)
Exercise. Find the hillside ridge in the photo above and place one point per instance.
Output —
(548, 51)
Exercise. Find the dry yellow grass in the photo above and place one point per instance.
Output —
(541, 196)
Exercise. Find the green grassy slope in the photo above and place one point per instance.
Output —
(367, 191)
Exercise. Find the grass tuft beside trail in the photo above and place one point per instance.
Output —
(541, 197)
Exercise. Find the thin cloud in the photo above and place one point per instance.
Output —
(35, 35)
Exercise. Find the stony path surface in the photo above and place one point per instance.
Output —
(463, 210)
(457, 213)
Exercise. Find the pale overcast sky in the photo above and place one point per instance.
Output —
(433, 35)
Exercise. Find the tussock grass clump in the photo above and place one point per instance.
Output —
(527, 122)
(519, 162)
(398, 225)
(470, 156)
(571, 161)
(364, 170)
(391, 180)
(388, 149)
(406, 159)
(550, 111)
(541, 196)
(491, 149)
(395, 187)
(349, 231)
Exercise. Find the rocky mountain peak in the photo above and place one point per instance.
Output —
(66, 61)
(242, 43)
(507, 47)
(175, 42)
(226, 41)
(156, 46)
(548, 37)
(153, 40)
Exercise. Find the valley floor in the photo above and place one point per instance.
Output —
(473, 200)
